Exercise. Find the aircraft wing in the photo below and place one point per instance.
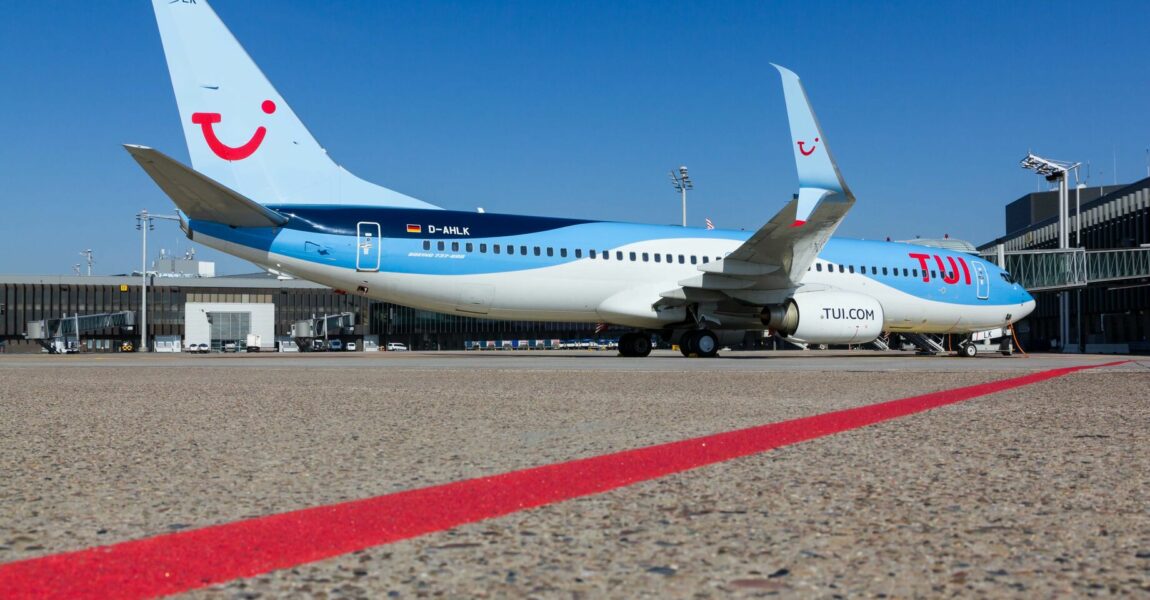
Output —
(771, 263)
(200, 197)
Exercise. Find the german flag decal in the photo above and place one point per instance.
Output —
(414, 229)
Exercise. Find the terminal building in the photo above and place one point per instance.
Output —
(184, 307)
(1113, 316)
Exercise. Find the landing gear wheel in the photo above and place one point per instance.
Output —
(969, 351)
(706, 344)
(625, 344)
(689, 343)
(634, 345)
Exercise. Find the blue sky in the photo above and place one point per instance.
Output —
(580, 108)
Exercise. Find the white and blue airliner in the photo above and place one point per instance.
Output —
(261, 188)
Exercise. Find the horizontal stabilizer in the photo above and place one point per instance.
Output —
(202, 198)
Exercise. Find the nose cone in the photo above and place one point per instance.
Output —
(1027, 306)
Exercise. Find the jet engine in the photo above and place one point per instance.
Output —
(827, 318)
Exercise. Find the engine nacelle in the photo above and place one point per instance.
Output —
(827, 318)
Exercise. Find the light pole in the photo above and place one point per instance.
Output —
(1055, 170)
(88, 254)
(682, 183)
(144, 223)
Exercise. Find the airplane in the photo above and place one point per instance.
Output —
(261, 188)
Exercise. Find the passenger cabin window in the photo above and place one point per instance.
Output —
(469, 247)
(904, 272)
(706, 260)
(455, 246)
(523, 250)
(619, 255)
(694, 259)
(563, 253)
(841, 270)
(537, 251)
(495, 249)
(590, 253)
(819, 267)
(550, 251)
(483, 248)
(874, 270)
(682, 259)
(439, 246)
(852, 268)
(658, 258)
(427, 244)
(884, 271)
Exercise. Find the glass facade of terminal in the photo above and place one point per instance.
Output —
(34, 298)
(1110, 313)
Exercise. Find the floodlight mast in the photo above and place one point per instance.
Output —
(144, 224)
(682, 183)
(88, 254)
(1057, 170)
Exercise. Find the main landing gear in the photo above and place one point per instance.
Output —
(702, 343)
(635, 344)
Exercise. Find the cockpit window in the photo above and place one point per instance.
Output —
(1008, 277)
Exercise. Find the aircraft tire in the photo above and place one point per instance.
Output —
(969, 351)
(626, 341)
(688, 343)
(640, 345)
(706, 344)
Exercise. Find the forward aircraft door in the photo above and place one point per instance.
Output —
(981, 281)
(369, 247)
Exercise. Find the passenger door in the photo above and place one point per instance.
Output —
(369, 246)
(981, 281)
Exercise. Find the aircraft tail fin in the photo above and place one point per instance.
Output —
(239, 130)
(819, 177)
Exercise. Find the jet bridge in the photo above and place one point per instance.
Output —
(1055, 270)
(317, 329)
(54, 334)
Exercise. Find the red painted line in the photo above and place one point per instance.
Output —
(178, 562)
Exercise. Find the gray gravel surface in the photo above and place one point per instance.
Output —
(1038, 491)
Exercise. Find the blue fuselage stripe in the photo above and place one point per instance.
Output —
(411, 241)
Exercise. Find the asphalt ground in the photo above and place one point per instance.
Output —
(1036, 491)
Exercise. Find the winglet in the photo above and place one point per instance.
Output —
(819, 176)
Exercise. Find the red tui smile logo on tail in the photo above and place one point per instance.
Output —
(224, 151)
(808, 152)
